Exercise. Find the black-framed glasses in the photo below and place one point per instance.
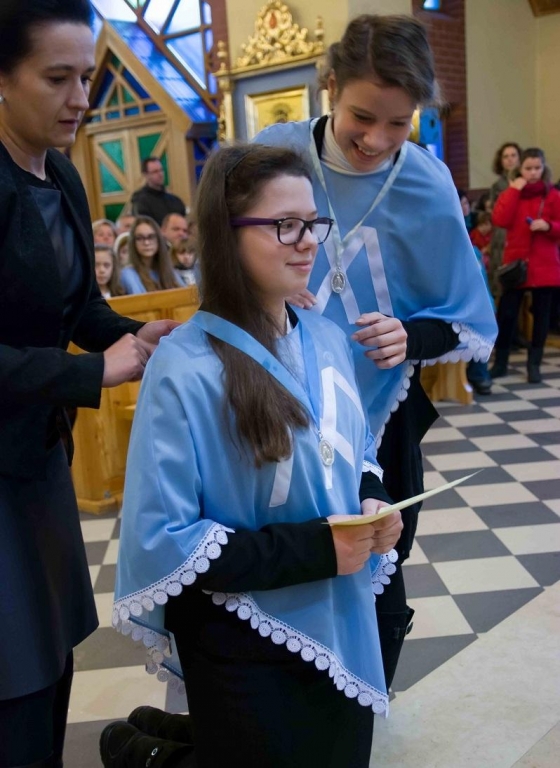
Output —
(290, 230)
(151, 238)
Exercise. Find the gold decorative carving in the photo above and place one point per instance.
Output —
(278, 39)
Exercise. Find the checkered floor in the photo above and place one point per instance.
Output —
(482, 551)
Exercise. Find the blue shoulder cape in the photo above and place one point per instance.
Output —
(176, 516)
(411, 258)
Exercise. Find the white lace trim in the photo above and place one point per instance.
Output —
(367, 466)
(385, 568)
(309, 650)
(478, 349)
(127, 610)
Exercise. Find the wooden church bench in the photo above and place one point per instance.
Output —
(101, 436)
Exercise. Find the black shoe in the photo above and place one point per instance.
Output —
(534, 374)
(500, 367)
(155, 722)
(534, 359)
(482, 387)
(123, 746)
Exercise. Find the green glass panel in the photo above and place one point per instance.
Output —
(114, 100)
(146, 144)
(115, 61)
(114, 150)
(113, 211)
(108, 181)
(163, 159)
(127, 96)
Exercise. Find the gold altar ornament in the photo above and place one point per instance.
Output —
(278, 39)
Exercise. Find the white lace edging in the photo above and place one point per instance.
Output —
(478, 349)
(367, 466)
(385, 568)
(126, 620)
(309, 650)
(400, 398)
(126, 612)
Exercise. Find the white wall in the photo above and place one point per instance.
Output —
(548, 89)
(501, 80)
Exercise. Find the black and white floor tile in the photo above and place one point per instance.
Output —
(483, 551)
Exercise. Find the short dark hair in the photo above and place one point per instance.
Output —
(18, 18)
(148, 160)
(537, 154)
(497, 166)
(393, 49)
(168, 216)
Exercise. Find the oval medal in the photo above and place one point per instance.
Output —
(327, 452)
(338, 282)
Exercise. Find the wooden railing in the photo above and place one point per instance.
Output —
(101, 436)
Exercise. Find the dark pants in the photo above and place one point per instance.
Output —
(508, 311)
(32, 727)
(257, 705)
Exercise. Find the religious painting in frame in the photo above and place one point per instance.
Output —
(282, 106)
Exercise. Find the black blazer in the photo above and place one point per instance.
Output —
(37, 375)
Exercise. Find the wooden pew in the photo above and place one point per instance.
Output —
(101, 436)
(447, 381)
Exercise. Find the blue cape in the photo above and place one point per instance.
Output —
(177, 516)
(411, 258)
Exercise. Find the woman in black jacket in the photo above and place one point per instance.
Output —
(48, 297)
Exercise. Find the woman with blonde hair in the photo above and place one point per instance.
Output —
(150, 267)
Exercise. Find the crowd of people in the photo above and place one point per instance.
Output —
(289, 406)
(136, 255)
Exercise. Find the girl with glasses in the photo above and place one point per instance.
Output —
(398, 274)
(249, 443)
(150, 267)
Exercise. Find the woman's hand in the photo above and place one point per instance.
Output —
(386, 334)
(152, 332)
(125, 360)
(518, 183)
(303, 300)
(354, 545)
(539, 225)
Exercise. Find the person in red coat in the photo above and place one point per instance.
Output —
(530, 212)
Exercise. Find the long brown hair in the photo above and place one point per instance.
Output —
(393, 49)
(233, 179)
(497, 166)
(114, 285)
(161, 262)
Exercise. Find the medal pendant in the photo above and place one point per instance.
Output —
(327, 452)
(338, 282)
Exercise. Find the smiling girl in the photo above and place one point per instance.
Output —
(251, 426)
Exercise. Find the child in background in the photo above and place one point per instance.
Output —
(481, 236)
(107, 272)
(104, 232)
(120, 249)
(183, 256)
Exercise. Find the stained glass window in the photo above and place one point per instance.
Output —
(157, 12)
(118, 10)
(185, 17)
(188, 50)
(431, 5)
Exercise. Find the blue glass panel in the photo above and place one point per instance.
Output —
(135, 84)
(117, 10)
(106, 83)
(431, 5)
(207, 13)
(113, 115)
(131, 111)
(212, 84)
(152, 108)
(188, 50)
(186, 16)
(157, 13)
(208, 40)
(97, 25)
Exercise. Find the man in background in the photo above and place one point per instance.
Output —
(152, 199)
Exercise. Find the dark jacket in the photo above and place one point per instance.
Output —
(156, 203)
(37, 375)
